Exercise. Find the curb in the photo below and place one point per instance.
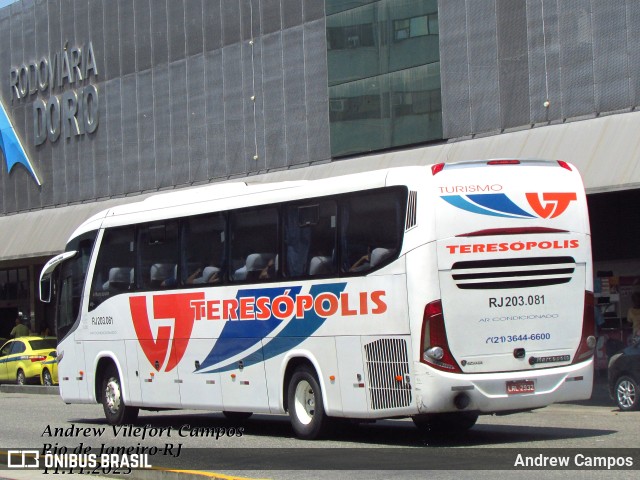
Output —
(163, 474)
(30, 389)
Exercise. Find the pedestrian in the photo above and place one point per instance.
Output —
(20, 330)
(633, 316)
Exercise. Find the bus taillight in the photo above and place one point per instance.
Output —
(504, 162)
(564, 164)
(437, 168)
(435, 348)
(587, 339)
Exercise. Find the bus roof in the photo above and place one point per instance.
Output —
(225, 196)
(242, 194)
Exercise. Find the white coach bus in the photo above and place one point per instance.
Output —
(438, 293)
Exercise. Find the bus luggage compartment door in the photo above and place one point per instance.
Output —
(352, 376)
(244, 385)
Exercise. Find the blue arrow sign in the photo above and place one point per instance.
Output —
(11, 146)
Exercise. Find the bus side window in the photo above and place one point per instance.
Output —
(203, 249)
(114, 270)
(158, 255)
(371, 229)
(310, 239)
(254, 244)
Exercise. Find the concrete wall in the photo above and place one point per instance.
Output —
(502, 59)
(174, 87)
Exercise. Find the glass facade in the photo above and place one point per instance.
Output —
(14, 284)
(384, 74)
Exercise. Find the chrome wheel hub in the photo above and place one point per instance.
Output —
(626, 394)
(305, 402)
(113, 396)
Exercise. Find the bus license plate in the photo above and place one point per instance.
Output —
(516, 387)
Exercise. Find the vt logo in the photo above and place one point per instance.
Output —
(12, 147)
(556, 204)
(500, 205)
(175, 307)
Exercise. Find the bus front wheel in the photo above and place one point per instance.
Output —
(115, 410)
(306, 408)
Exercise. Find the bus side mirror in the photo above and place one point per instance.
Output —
(45, 289)
(46, 276)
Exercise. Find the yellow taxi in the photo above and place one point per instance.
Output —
(25, 360)
(49, 375)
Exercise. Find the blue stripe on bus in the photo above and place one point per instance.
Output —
(499, 202)
(239, 336)
(293, 334)
(496, 205)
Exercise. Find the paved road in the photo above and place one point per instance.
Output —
(41, 420)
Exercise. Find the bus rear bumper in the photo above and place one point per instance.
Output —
(502, 392)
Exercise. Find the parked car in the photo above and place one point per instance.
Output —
(22, 359)
(624, 377)
(49, 375)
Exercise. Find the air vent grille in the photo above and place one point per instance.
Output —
(412, 205)
(388, 371)
(513, 273)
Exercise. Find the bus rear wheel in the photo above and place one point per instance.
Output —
(446, 423)
(115, 410)
(306, 408)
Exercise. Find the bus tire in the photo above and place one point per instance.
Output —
(306, 408)
(115, 410)
(446, 423)
(237, 416)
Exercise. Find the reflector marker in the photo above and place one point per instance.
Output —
(463, 388)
